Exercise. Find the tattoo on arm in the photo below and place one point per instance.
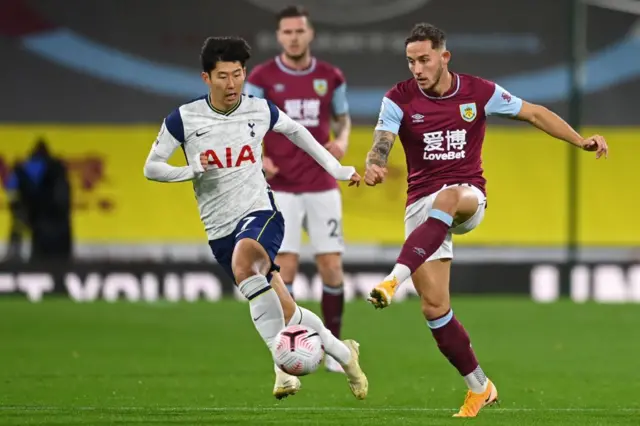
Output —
(382, 144)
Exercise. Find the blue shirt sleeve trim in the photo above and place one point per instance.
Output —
(339, 101)
(275, 114)
(390, 116)
(174, 125)
(503, 103)
(253, 90)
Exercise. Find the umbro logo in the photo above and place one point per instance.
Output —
(418, 118)
(200, 133)
(420, 251)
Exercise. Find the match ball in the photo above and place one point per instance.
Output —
(298, 350)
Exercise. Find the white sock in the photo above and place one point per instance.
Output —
(332, 345)
(264, 305)
(476, 380)
(401, 272)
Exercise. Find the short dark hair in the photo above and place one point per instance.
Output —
(292, 12)
(223, 49)
(424, 32)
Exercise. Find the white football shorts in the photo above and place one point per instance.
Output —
(318, 213)
(418, 212)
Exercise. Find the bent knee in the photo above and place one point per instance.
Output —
(433, 308)
(447, 200)
(249, 259)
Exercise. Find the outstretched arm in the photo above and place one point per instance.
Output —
(552, 124)
(504, 104)
(302, 138)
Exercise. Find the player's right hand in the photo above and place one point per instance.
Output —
(374, 174)
(204, 162)
(270, 169)
(355, 179)
(199, 164)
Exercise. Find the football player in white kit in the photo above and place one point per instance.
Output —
(221, 136)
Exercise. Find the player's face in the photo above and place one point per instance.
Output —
(426, 63)
(225, 82)
(295, 35)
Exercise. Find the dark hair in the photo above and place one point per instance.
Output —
(223, 49)
(292, 12)
(424, 32)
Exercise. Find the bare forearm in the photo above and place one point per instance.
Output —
(342, 127)
(303, 139)
(553, 125)
(382, 144)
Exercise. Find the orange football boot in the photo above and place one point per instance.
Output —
(381, 295)
(474, 402)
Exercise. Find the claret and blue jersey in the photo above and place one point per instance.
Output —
(442, 136)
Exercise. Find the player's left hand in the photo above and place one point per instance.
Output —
(337, 148)
(355, 179)
(598, 144)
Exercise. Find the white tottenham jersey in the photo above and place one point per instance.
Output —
(232, 185)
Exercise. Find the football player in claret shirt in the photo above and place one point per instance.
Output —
(313, 93)
(440, 118)
(221, 136)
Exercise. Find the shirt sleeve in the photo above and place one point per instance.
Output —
(502, 103)
(253, 89)
(339, 101)
(254, 84)
(390, 116)
(170, 138)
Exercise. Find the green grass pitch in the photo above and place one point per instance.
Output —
(69, 364)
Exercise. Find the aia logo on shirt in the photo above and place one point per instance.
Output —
(230, 160)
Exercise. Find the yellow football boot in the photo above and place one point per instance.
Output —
(474, 402)
(380, 297)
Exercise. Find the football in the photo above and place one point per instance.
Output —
(298, 350)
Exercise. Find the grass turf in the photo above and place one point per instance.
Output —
(63, 363)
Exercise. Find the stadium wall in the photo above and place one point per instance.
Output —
(526, 170)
